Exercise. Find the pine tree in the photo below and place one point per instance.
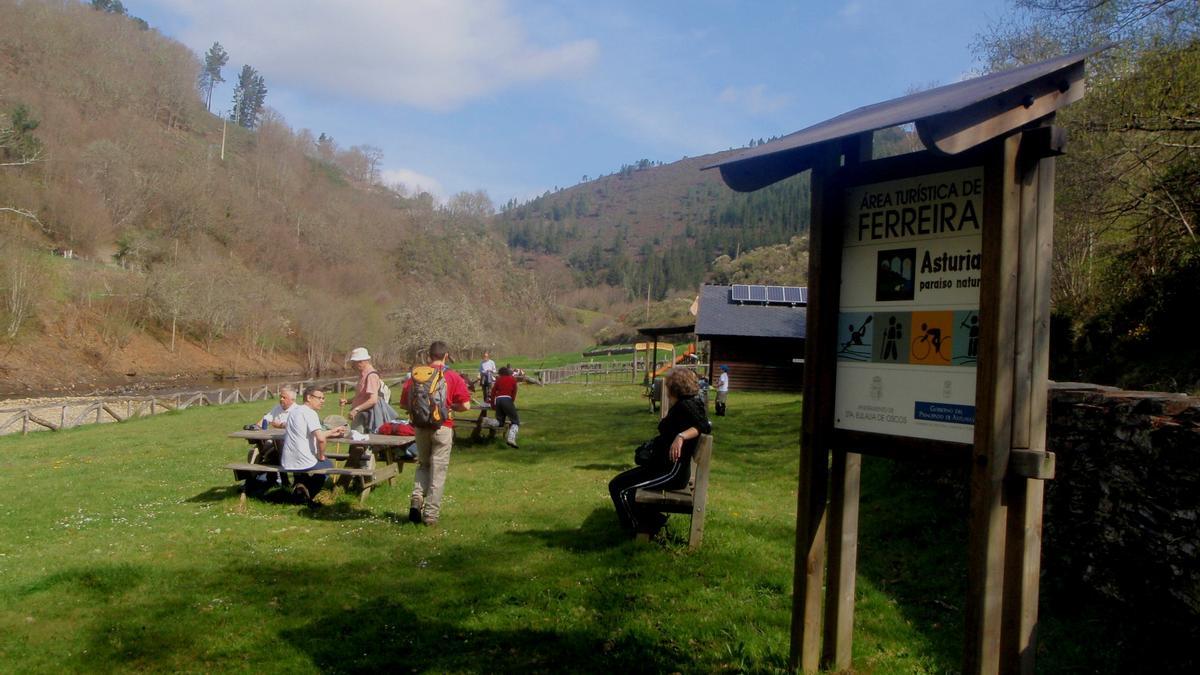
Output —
(109, 6)
(214, 60)
(248, 98)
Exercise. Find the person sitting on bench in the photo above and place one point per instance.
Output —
(671, 465)
(304, 445)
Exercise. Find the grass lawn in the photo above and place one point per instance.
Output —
(121, 548)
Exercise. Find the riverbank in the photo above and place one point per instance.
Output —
(68, 358)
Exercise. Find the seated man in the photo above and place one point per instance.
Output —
(304, 445)
(276, 418)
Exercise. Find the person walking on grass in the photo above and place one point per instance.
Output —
(431, 395)
(504, 400)
(487, 375)
(304, 445)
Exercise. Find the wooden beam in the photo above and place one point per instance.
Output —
(843, 502)
(843, 559)
(813, 480)
(1036, 464)
(993, 426)
(1029, 465)
(1027, 249)
(954, 132)
(1022, 565)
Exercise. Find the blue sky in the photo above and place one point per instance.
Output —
(517, 98)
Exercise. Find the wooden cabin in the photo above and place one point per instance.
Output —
(758, 331)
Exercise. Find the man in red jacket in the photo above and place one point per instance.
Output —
(504, 400)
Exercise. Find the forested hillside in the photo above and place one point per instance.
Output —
(654, 227)
(285, 251)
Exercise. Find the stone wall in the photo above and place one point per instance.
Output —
(1122, 514)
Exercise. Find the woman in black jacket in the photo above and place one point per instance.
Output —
(670, 467)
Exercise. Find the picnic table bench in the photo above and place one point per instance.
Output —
(385, 461)
(692, 499)
(481, 423)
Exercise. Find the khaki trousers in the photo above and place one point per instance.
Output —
(433, 455)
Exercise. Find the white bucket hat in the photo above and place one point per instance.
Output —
(360, 354)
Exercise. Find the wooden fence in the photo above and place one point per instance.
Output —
(604, 372)
(58, 416)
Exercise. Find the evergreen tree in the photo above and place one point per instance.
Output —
(214, 60)
(248, 98)
(109, 6)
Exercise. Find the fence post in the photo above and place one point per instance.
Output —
(25, 422)
(154, 404)
(62, 420)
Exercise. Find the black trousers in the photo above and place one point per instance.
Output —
(623, 488)
(506, 409)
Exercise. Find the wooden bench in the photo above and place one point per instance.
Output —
(692, 500)
(479, 426)
(249, 470)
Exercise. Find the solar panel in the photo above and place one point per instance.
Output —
(770, 295)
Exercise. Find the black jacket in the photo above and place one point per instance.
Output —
(687, 412)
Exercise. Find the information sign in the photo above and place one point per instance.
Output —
(908, 321)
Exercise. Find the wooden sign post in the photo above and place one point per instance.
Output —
(928, 338)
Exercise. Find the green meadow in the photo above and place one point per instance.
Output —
(122, 547)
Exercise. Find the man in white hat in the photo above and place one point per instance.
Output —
(366, 392)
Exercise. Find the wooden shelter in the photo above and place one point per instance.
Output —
(927, 337)
(763, 344)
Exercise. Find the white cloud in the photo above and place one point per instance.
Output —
(413, 182)
(753, 99)
(433, 54)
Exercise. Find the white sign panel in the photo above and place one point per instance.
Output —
(908, 324)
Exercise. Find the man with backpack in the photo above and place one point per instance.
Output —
(431, 395)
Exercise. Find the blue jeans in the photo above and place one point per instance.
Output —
(313, 483)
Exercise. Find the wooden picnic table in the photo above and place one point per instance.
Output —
(383, 447)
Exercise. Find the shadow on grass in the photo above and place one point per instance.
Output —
(133, 625)
(216, 494)
(908, 528)
(599, 531)
(337, 511)
(99, 582)
(384, 634)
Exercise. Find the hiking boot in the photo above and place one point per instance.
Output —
(414, 516)
(300, 494)
(512, 444)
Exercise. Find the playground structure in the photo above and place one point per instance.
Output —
(689, 352)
